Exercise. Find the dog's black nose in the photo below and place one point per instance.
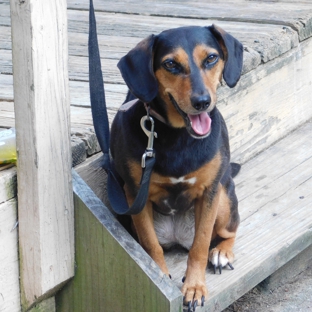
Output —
(201, 102)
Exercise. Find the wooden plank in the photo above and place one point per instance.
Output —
(269, 102)
(8, 186)
(5, 38)
(113, 271)
(41, 101)
(9, 272)
(94, 176)
(47, 305)
(296, 15)
(270, 40)
(276, 220)
(79, 92)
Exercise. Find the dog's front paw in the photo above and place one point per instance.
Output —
(220, 258)
(194, 293)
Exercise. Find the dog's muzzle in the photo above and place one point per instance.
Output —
(197, 125)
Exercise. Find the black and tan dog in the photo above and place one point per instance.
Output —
(191, 196)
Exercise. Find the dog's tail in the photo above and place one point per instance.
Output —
(235, 169)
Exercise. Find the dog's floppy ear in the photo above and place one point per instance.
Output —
(136, 68)
(233, 55)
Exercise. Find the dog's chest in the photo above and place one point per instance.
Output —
(171, 196)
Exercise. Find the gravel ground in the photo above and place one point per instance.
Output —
(291, 297)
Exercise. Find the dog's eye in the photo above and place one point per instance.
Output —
(211, 60)
(171, 65)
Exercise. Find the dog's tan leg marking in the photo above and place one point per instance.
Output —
(222, 254)
(144, 227)
(205, 215)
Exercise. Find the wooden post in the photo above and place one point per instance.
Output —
(41, 98)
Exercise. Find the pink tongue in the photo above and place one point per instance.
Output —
(200, 123)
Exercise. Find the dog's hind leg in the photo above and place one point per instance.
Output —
(225, 227)
(144, 227)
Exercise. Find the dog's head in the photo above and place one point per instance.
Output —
(181, 68)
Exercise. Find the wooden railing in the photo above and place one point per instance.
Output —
(41, 98)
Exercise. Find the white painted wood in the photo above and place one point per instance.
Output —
(41, 96)
(9, 268)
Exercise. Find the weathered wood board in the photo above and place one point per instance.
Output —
(9, 268)
(41, 99)
(8, 189)
(9, 260)
(297, 14)
(112, 270)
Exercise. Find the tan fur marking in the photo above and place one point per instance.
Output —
(223, 217)
(205, 217)
(144, 227)
(211, 77)
(205, 176)
(179, 86)
(135, 171)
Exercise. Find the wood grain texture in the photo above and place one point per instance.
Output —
(9, 268)
(41, 100)
(8, 189)
(113, 272)
(94, 176)
(269, 102)
(47, 305)
(296, 15)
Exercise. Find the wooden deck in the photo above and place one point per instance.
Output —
(268, 116)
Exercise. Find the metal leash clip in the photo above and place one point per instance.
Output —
(149, 152)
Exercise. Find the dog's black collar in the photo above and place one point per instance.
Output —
(153, 113)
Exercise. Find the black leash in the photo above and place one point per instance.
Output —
(115, 190)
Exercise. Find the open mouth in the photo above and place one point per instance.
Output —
(197, 125)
